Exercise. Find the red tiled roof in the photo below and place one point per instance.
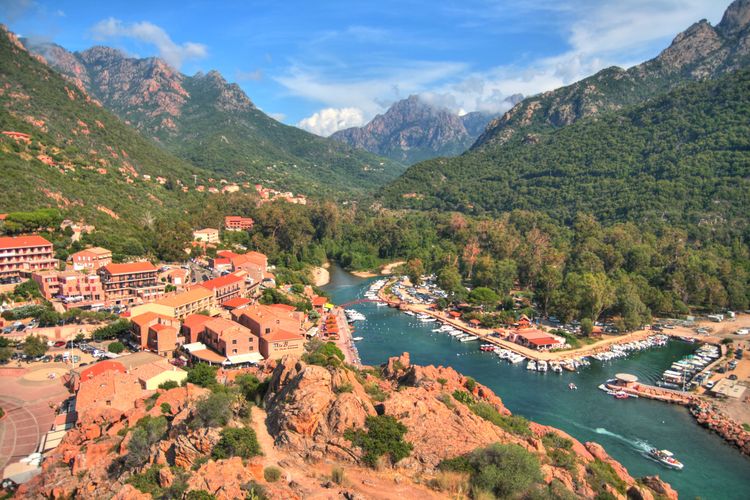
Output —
(130, 267)
(284, 307)
(221, 281)
(144, 318)
(236, 302)
(23, 241)
(101, 367)
(195, 320)
(319, 301)
(159, 327)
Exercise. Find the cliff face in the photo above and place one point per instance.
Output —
(308, 410)
(413, 130)
(702, 51)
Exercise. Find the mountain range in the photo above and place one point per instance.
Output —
(413, 130)
(58, 148)
(700, 52)
(214, 125)
(666, 140)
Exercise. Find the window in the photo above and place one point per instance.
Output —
(234, 351)
(234, 341)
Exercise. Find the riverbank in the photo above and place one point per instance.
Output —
(386, 270)
(320, 275)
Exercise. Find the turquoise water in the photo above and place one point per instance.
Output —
(713, 470)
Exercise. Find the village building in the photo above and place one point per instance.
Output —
(25, 254)
(263, 319)
(181, 304)
(177, 277)
(109, 389)
(142, 324)
(74, 288)
(238, 223)
(207, 235)
(255, 265)
(90, 259)
(163, 339)
(535, 339)
(227, 343)
(152, 370)
(193, 326)
(226, 287)
(130, 282)
(280, 343)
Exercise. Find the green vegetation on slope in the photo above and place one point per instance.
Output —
(680, 158)
(76, 138)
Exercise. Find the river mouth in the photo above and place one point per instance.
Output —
(626, 428)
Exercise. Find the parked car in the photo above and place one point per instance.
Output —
(58, 358)
(732, 377)
(60, 343)
(709, 385)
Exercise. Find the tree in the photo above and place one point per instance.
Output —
(116, 347)
(414, 269)
(597, 294)
(148, 431)
(202, 374)
(215, 410)
(505, 470)
(237, 442)
(484, 296)
(35, 346)
(384, 436)
(449, 279)
(587, 327)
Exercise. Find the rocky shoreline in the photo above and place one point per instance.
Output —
(707, 415)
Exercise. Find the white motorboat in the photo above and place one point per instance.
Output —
(515, 358)
(469, 338)
(357, 339)
(541, 366)
(666, 458)
(531, 365)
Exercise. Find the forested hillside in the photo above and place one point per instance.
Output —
(74, 155)
(214, 125)
(681, 158)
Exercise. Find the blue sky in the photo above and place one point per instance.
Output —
(327, 65)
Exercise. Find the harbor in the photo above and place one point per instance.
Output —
(626, 428)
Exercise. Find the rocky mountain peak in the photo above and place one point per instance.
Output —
(736, 18)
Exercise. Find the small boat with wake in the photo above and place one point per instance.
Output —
(666, 458)
(572, 386)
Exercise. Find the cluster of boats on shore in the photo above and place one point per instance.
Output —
(624, 350)
(685, 372)
(372, 292)
(453, 332)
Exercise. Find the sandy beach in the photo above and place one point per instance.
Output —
(320, 275)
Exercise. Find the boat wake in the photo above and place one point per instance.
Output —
(637, 444)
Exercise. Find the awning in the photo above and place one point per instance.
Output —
(250, 357)
(195, 346)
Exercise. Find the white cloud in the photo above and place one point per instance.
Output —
(253, 76)
(596, 34)
(329, 120)
(175, 54)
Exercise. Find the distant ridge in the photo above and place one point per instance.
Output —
(413, 130)
(213, 124)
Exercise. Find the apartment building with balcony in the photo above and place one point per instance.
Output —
(131, 282)
(228, 287)
(25, 254)
(238, 223)
(91, 259)
(74, 288)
